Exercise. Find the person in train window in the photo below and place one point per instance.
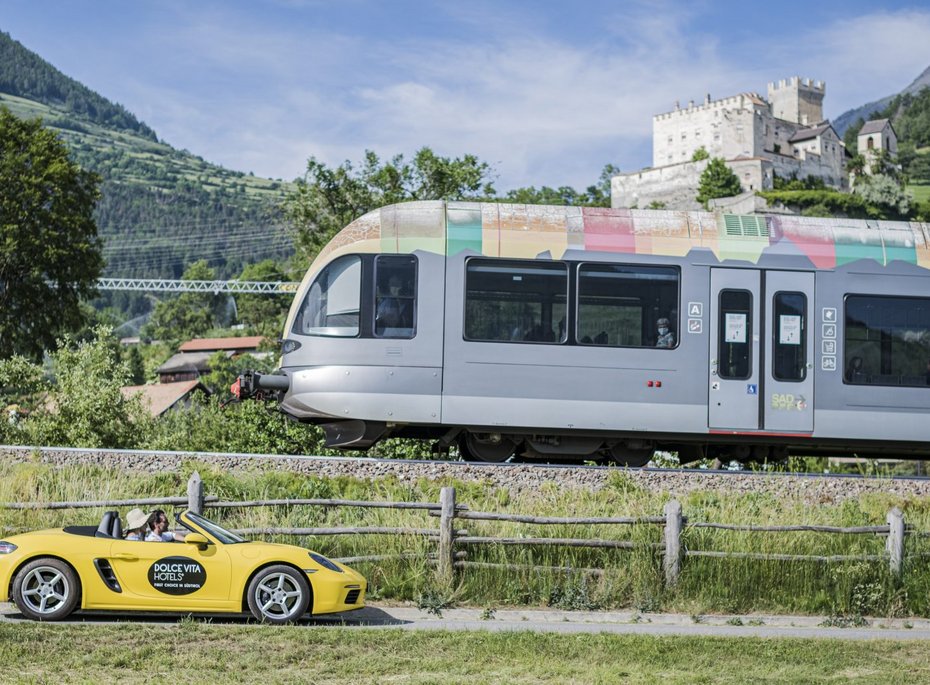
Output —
(665, 337)
(854, 372)
(394, 309)
(928, 372)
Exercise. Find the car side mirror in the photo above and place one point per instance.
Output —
(197, 539)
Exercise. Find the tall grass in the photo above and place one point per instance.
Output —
(632, 578)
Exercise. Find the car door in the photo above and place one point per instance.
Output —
(172, 574)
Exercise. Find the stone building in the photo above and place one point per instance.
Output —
(783, 134)
(874, 136)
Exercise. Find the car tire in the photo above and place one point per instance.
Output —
(278, 594)
(46, 589)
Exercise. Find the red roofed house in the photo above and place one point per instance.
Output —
(192, 359)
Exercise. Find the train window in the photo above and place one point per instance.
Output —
(887, 340)
(789, 345)
(332, 304)
(734, 348)
(627, 306)
(395, 296)
(515, 301)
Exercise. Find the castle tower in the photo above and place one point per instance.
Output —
(797, 100)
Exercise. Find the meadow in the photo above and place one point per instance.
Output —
(633, 579)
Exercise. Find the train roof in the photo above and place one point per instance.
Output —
(530, 231)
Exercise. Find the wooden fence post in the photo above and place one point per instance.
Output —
(895, 542)
(672, 542)
(195, 493)
(446, 533)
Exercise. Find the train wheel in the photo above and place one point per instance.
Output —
(477, 449)
(634, 457)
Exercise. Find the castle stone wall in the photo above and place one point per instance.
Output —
(675, 186)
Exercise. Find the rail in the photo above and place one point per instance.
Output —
(449, 555)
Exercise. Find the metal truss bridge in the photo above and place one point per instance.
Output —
(178, 286)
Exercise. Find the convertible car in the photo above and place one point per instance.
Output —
(50, 573)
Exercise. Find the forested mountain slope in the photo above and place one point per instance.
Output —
(161, 208)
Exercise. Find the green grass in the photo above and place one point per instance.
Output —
(921, 192)
(194, 652)
(633, 579)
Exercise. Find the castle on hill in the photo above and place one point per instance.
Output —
(784, 134)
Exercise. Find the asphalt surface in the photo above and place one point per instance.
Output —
(564, 622)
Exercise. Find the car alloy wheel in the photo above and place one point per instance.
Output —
(278, 594)
(46, 590)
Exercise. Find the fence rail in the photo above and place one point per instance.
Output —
(448, 538)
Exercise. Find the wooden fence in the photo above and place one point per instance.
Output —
(450, 541)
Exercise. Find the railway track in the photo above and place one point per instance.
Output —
(814, 487)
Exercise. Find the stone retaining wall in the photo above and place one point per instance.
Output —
(516, 477)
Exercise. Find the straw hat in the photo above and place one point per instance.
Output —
(136, 518)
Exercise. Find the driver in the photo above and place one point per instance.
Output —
(158, 529)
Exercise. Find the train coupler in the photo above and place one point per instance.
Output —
(251, 385)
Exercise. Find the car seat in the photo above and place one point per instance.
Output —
(110, 526)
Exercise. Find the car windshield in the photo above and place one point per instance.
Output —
(214, 529)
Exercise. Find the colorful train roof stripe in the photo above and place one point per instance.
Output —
(529, 231)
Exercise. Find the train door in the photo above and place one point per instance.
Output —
(733, 401)
(788, 402)
(760, 352)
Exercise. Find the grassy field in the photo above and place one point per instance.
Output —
(921, 193)
(633, 578)
(194, 652)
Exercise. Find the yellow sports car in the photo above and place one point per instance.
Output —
(50, 573)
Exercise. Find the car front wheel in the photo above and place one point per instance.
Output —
(278, 594)
(46, 590)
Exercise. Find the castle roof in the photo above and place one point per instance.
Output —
(813, 132)
(874, 126)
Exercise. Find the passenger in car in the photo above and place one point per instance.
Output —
(137, 525)
(158, 529)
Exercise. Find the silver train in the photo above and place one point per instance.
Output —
(564, 333)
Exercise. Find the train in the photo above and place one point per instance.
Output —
(579, 334)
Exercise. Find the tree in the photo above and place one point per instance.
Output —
(886, 193)
(50, 256)
(699, 154)
(264, 314)
(597, 195)
(326, 199)
(717, 180)
(83, 406)
(190, 314)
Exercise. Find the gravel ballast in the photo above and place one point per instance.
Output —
(814, 489)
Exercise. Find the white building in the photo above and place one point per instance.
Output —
(759, 138)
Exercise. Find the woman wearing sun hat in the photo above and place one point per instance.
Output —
(137, 523)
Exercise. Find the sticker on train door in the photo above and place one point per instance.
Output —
(752, 389)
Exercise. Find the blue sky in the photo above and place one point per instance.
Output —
(547, 92)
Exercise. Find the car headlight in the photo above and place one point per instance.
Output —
(324, 562)
(6, 547)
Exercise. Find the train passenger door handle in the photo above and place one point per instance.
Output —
(124, 556)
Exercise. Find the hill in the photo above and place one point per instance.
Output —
(161, 208)
(865, 112)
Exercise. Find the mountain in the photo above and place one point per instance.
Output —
(850, 117)
(161, 208)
